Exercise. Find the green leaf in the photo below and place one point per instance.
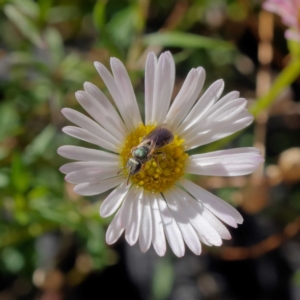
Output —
(40, 144)
(24, 24)
(296, 278)
(121, 27)
(99, 15)
(9, 120)
(27, 7)
(12, 259)
(20, 178)
(44, 7)
(162, 280)
(4, 179)
(55, 44)
(185, 40)
(64, 13)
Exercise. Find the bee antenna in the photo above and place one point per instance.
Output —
(120, 171)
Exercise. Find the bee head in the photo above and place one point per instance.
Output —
(134, 166)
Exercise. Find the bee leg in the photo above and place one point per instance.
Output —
(163, 154)
(143, 167)
(156, 160)
(128, 178)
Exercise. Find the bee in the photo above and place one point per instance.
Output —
(146, 150)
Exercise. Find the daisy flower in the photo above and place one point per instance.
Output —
(158, 203)
(289, 11)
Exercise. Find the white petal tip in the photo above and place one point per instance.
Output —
(99, 67)
(151, 55)
(64, 110)
(79, 95)
(130, 242)
(160, 251)
(62, 170)
(103, 212)
(86, 85)
(108, 242)
(233, 225)
(77, 189)
(144, 250)
(220, 82)
(60, 150)
(179, 254)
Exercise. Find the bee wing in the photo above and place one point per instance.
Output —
(159, 137)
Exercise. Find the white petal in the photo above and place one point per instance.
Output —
(213, 221)
(218, 106)
(145, 235)
(114, 200)
(125, 87)
(172, 231)
(227, 98)
(231, 162)
(95, 109)
(114, 230)
(188, 233)
(218, 131)
(88, 124)
(81, 153)
(126, 208)
(116, 94)
(133, 228)
(158, 236)
(150, 70)
(228, 110)
(110, 114)
(207, 100)
(85, 135)
(76, 166)
(94, 188)
(188, 206)
(92, 174)
(217, 206)
(210, 218)
(186, 97)
(224, 100)
(163, 87)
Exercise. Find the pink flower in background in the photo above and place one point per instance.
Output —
(289, 11)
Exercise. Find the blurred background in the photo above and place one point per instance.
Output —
(52, 241)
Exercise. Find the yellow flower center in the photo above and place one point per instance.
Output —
(163, 169)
